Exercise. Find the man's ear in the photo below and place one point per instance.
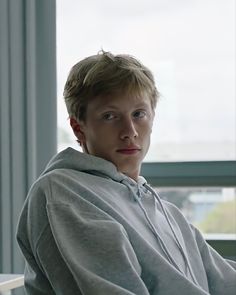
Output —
(77, 130)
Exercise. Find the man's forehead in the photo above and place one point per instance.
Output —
(115, 101)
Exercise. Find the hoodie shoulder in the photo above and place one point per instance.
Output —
(74, 160)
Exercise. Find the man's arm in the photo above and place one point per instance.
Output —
(74, 247)
(95, 250)
(220, 273)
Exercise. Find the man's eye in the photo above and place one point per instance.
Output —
(139, 114)
(108, 116)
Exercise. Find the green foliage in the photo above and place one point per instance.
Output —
(222, 219)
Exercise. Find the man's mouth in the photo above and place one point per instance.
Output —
(129, 151)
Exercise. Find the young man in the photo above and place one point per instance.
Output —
(91, 224)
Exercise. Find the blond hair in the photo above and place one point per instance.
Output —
(105, 74)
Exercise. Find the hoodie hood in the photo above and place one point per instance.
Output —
(75, 160)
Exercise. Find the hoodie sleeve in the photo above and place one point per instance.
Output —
(75, 248)
(95, 249)
(221, 274)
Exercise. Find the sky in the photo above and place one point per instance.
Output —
(188, 44)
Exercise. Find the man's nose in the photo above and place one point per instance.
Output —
(128, 129)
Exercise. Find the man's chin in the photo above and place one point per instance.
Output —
(129, 168)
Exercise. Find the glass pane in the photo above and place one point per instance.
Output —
(189, 46)
(212, 210)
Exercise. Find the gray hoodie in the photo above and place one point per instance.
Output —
(87, 229)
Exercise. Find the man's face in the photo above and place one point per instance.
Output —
(118, 129)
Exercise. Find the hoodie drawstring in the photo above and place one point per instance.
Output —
(158, 237)
(137, 197)
(153, 192)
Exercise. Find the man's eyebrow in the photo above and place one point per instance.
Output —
(141, 104)
(99, 108)
(108, 106)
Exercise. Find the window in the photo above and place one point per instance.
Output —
(190, 47)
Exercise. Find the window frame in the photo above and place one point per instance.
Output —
(206, 173)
